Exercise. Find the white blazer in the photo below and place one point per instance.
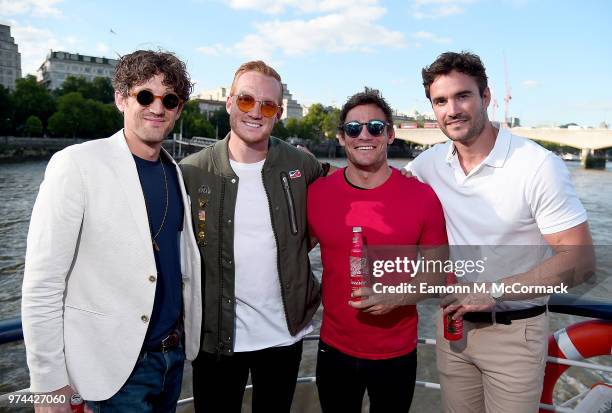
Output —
(89, 280)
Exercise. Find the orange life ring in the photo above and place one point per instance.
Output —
(576, 342)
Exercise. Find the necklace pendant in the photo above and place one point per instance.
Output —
(155, 246)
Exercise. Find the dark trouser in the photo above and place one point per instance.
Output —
(343, 379)
(218, 382)
(153, 387)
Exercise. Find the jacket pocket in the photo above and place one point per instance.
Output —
(85, 310)
(290, 203)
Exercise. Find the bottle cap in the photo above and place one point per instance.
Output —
(356, 229)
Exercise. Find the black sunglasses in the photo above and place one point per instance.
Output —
(146, 97)
(376, 127)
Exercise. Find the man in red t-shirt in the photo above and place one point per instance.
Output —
(368, 342)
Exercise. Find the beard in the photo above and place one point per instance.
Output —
(477, 125)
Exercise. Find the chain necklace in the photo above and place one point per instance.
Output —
(154, 237)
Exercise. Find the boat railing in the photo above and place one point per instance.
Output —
(10, 331)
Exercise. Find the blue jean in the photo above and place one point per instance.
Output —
(153, 387)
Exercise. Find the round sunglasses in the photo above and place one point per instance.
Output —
(246, 103)
(146, 97)
(375, 127)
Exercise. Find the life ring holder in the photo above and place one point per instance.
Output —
(577, 342)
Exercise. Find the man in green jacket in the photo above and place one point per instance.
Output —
(248, 194)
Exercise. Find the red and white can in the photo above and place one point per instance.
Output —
(77, 405)
(453, 329)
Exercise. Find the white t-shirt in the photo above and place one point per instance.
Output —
(519, 192)
(260, 316)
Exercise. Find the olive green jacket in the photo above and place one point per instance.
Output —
(213, 187)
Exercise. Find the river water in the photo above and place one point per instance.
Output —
(18, 188)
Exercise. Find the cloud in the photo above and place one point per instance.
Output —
(302, 6)
(102, 48)
(530, 84)
(354, 29)
(214, 50)
(34, 45)
(431, 37)
(36, 8)
(435, 9)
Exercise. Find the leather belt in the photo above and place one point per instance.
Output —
(171, 341)
(504, 317)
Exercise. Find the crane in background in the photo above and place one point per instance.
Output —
(494, 105)
(508, 96)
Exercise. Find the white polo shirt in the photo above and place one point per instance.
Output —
(504, 205)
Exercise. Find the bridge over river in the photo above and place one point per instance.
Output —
(591, 142)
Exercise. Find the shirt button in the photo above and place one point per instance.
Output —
(233, 180)
(152, 278)
(229, 300)
(144, 319)
(229, 221)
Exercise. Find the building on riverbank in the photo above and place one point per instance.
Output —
(10, 58)
(59, 65)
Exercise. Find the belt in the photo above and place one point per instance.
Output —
(171, 341)
(504, 317)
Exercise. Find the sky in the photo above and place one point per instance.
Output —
(553, 56)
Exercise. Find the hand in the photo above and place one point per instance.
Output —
(458, 304)
(406, 173)
(375, 304)
(65, 391)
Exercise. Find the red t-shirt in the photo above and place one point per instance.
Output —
(400, 212)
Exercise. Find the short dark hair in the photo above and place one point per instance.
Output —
(138, 67)
(368, 97)
(464, 62)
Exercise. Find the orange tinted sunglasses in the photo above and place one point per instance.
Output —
(247, 102)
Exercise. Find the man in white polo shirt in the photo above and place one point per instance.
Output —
(513, 201)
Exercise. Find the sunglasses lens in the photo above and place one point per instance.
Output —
(145, 97)
(171, 101)
(376, 127)
(352, 129)
(245, 102)
(268, 109)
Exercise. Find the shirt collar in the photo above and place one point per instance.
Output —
(498, 155)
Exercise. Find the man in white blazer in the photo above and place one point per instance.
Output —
(111, 298)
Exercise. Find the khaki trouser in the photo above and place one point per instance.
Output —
(494, 368)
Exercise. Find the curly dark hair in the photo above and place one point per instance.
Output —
(464, 62)
(138, 67)
(368, 97)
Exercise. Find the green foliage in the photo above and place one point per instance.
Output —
(194, 123)
(6, 111)
(280, 131)
(99, 89)
(319, 124)
(31, 98)
(84, 118)
(33, 126)
(220, 121)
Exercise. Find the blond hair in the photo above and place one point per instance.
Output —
(259, 67)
